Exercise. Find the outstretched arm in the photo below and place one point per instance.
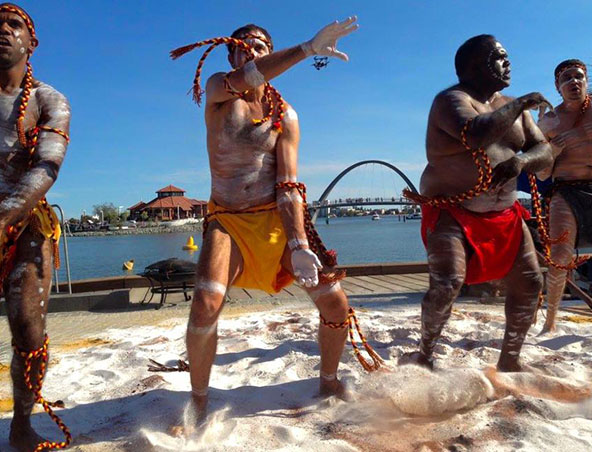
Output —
(454, 108)
(47, 159)
(304, 262)
(260, 70)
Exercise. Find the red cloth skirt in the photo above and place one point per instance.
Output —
(495, 238)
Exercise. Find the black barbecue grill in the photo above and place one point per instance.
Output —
(170, 276)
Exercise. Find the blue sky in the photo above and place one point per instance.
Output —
(134, 129)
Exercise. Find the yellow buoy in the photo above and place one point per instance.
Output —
(128, 265)
(190, 245)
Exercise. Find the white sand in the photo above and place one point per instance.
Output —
(264, 384)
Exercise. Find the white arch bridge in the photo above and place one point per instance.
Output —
(321, 203)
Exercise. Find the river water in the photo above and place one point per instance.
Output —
(357, 240)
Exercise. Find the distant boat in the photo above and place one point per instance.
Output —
(375, 217)
(413, 216)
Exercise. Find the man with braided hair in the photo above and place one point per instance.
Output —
(569, 130)
(480, 234)
(34, 123)
(255, 236)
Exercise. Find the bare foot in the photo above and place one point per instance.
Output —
(23, 437)
(416, 358)
(548, 329)
(193, 416)
(328, 388)
(507, 364)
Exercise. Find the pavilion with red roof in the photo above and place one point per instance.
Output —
(170, 204)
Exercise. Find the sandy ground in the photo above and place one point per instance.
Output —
(264, 383)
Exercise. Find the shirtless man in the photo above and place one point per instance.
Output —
(569, 130)
(26, 268)
(268, 248)
(483, 238)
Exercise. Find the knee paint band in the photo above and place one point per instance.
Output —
(211, 286)
(328, 377)
(199, 392)
(253, 77)
(201, 330)
(324, 290)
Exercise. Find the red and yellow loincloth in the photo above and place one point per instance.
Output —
(494, 237)
(260, 236)
(44, 220)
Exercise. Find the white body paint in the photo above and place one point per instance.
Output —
(211, 286)
(288, 197)
(201, 330)
(17, 181)
(295, 243)
(243, 165)
(324, 290)
(199, 392)
(291, 115)
(253, 77)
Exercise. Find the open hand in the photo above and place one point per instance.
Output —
(306, 266)
(535, 100)
(324, 42)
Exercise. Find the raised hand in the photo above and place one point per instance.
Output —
(324, 42)
(535, 100)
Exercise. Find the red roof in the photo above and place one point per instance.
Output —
(170, 188)
(197, 202)
(170, 202)
(137, 205)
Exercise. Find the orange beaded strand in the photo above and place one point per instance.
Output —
(42, 355)
(484, 173)
(327, 257)
(350, 322)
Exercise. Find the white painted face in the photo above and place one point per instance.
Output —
(258, 46)
(572, 84)
(499, 64)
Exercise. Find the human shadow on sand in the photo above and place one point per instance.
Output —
(559, 342)
(122, 418)
(264, 355)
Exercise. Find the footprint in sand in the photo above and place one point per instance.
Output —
(106, 374)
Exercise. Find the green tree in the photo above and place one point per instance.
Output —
(107, 212)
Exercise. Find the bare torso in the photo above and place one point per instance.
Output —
(14, 159)
(242, 155)
(451, 169)
(574, 161)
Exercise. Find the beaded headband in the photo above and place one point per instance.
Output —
(10, 8)
(570, 66)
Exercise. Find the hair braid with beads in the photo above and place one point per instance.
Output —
(272, 96)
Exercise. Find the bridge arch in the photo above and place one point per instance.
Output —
(340, 176)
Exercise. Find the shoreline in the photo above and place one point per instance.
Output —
(196, 227)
